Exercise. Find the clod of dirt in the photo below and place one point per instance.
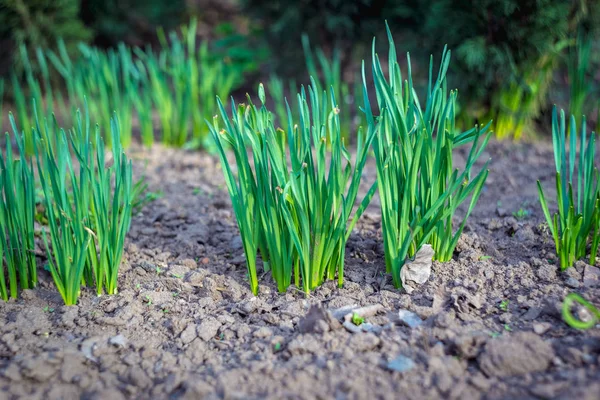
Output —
(469, 346)
(464, 302)
(591, 276)
(317, 320)
(519, 354)
(188, 334)
(208, 328)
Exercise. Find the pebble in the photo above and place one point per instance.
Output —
(541, 327)
(118, 341)
(532, 314)
(401, 364)
(572, 283)
(409, 318)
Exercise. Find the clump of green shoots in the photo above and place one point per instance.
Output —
(17, 206)
(67, 214)
(419, 189)
(88, 205)
(294, 190)
(577, 221)
(183, 81)
(110, 207)
(102, 79)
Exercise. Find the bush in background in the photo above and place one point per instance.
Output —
(506, 51)
(131, 21)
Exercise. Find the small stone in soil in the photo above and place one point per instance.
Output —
(409, 318)
(401, 364)
(532, 314)
(118, 341)
(572, 283)
(542, 327)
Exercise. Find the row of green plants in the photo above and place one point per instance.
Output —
(296, 188)
(87, 201)
(298, 220)
(169, 91)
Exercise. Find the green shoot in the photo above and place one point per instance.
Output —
(418, 188)
(17, 209)
(521, 213)
(578, 215)
(503, 305)
(298, 219)
(357, 319)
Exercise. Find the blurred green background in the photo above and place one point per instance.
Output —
(511, 59)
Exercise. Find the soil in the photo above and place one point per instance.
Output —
(487, 325)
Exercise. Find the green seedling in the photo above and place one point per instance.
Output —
(357, 319)
(48, 309)
(577, 222)
(503, 305)
(148, 300)
(521, 214)
(485, 258)
(507, 328)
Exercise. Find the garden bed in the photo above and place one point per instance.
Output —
(185, 324)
